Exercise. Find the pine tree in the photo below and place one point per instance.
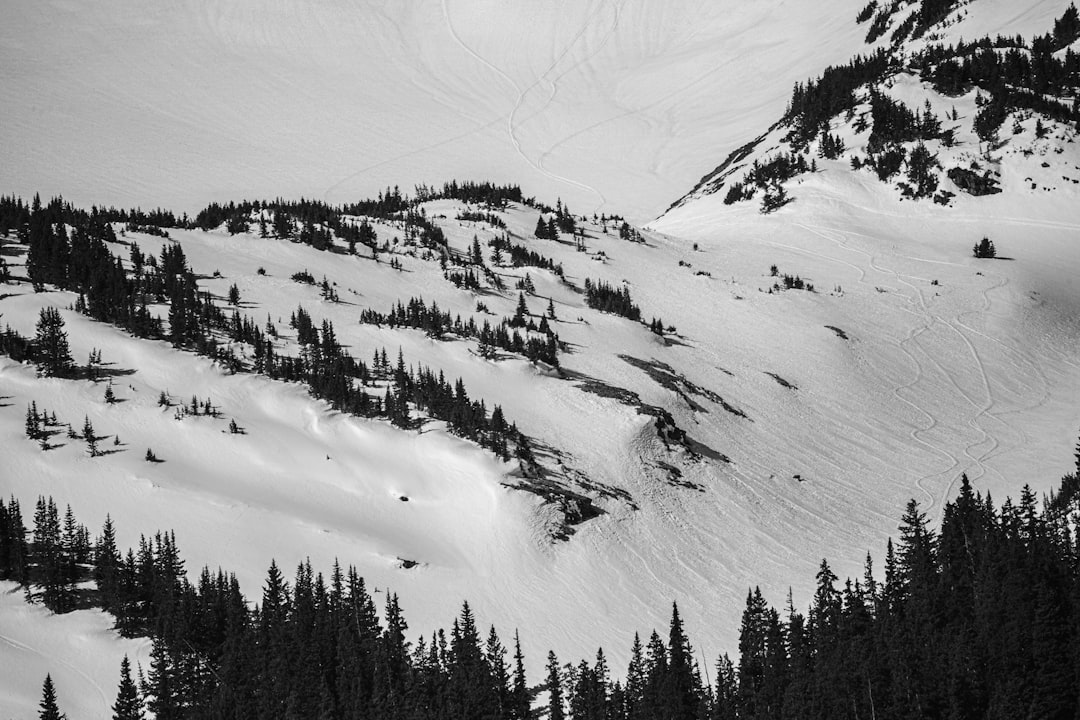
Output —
(48, 708)
(51, 344)
(520, 707)
(162, 685)
(921, 166)
(128, 705)
(634, 693)
(33, 421)
(475, 254)
(752, 660)
(88, 435)
(107, 566)
(554, 688)
(985, 249)
(682, 684)
(110, 396)
(725, 698)
(520, 312)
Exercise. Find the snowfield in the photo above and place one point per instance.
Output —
(814, 415)
(80, 650)
(612, 104)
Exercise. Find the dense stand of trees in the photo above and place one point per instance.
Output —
(504, 335)
(979, 618)
(1015, 73)
(767, 175)
(502, 248)
(1012, 73)
(604, 297)
(815, 103)
(109, 292)
(477, 193)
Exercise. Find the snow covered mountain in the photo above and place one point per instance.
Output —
(767, 425)
(606, 103)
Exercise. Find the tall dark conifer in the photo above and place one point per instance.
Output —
(128, 705)
(48, 709)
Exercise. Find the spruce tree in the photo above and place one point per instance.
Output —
(682, 684)
(33, 422)
(51, 344)
(128, 705)
(88, 435)
(520, 707)
(921, 166)
(48, 708)
(520, 312)
(107, 566)
(554, 688)
(162, 683)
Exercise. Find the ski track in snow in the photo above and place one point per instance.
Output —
(982, 410)
(916, 433)
(951, 382)
(511, 127)
(540, 161)
(984, 407)
(929, 319)
(23, 647)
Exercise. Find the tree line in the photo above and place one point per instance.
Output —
(979, 618)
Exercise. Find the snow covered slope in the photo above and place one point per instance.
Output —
(812, 416)
(805, 443)
(607, 103)
(80, 650)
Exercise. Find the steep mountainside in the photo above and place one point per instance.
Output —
(713, 402)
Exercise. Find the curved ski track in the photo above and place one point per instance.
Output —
(511, 126)
(982, 403)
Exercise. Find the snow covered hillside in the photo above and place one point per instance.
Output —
(793, 378)
(80, 650)
(811, 416)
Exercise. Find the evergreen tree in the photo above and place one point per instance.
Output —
(162, 683)
(634, 694)
(128, 705)
(33, 422)
(520, 312)
(989, 119)
(48, 708)
(921, 166)
(985, 249)
(554, 688)
(51, 343)
(520, 706)
(752, 662)
(88, 435)
(682, 683)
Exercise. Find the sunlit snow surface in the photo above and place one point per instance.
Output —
(612, 104)
(627, 104)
